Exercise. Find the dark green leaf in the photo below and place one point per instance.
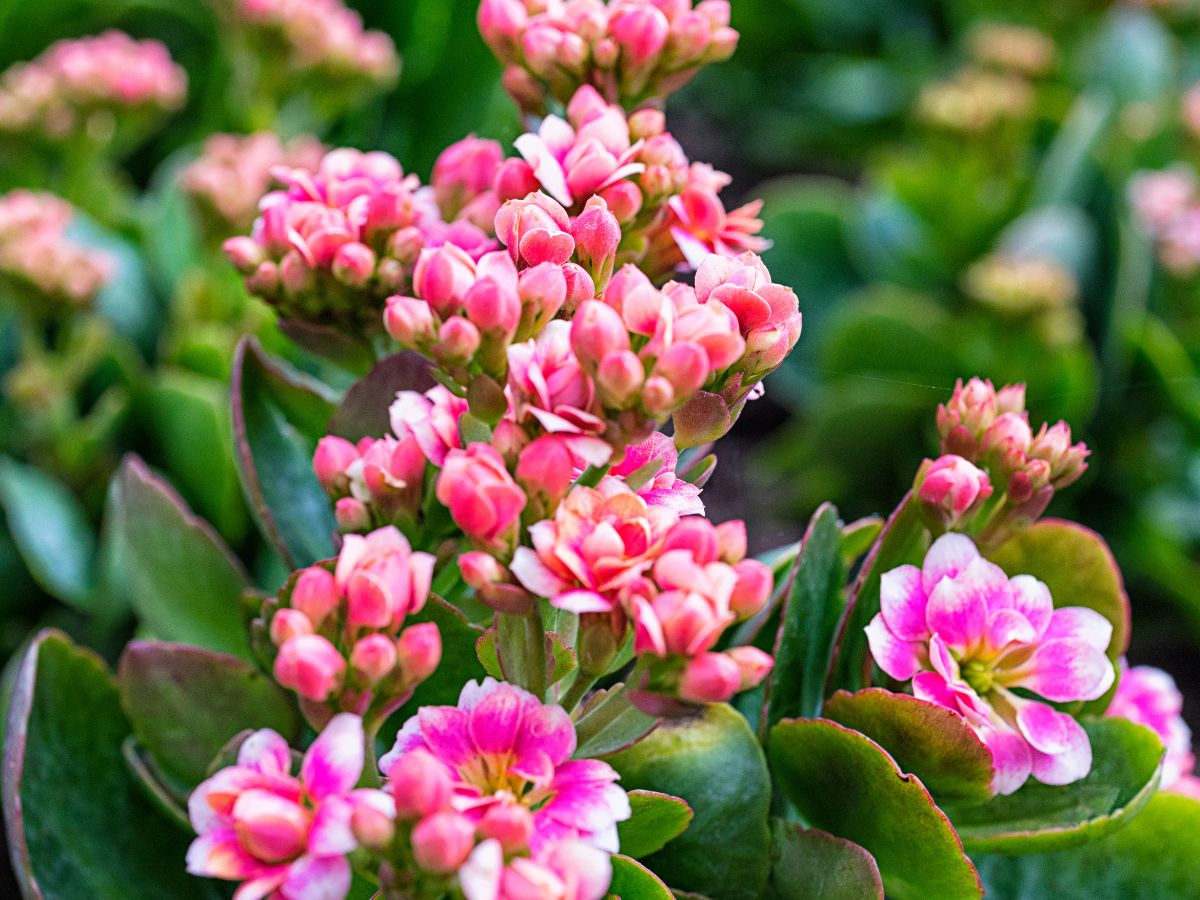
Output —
(657, 819)
(812, 865)
(930, 741)
(842, 782)
(633, 881)
(713, 762)
(608, 722)
(278, 417)
(1125, 771)
(222, 694)
(181, 579)
(77, 823)
(363, 412)
(168, 800)
(51, 531)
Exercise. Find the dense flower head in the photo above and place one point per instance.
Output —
(282, 835)
(378, 481)
(91, 85)
(233, 172)
(629, 50)
(495, 799)
(967, 636)
(37, 254)
(339, 634)
(1149, 697)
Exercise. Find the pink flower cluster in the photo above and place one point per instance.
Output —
(1149, 697)
(339, 634)
(281, 835)
(630, 50)
(59, 94)
(991, 428)
(967, 635)
(375, 482)
(35, 252)
(489, 799)
(320, 38)
(1167, 204)
(234, 171)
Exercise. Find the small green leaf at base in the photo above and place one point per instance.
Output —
(633, 881)
(812, 865)
(656, 820)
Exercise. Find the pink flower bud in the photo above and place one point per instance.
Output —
(731, 540)
(354, 264)
(952, 487)
(464, 170)
(270, 827)
(442, 841)
(509, 824)
(459, 339)
(624, 199)
(753, 664)
(245, 253)
(597, 234)
(619, 378)
(442, 278)
(641, 33)
(514, 180)
(597, 332)
(1067, 461)
(374, 657)
(753, 588)
(493, 308)
(288, 623)
(351, 514)
(406, 244)
(482, 497)
(264, 281)
(409, 321)
(546, 468)
(685, 366)
(420, 784)
(311, 666)
(646, 123)
(541, 44)
(580, 286)
(373, 820)
(295, 275)
(330, 461)
(479, 569)
(315, 594)
(419, 649)
(1006, 441)
(710, 678)
(535, 229)
(1010, 399)
(501, 23)
(658, 396)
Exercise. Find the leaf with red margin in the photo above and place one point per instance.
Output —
(363, 412)
(843, 782)
(808, 864)
(633, 881)
(932, 742)
(656, 820)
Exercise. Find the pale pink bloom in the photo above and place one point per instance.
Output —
(382, 579)
(664, 487)
(952, 487)
(966, 635)
(548, 384)
(432, 420)
(383, 475)
(501, 747)
(482, 497)
(1160, 198)
(284, 836)
(700, 224)
(1066, 461)
(1179, 248)
(35, 249)
(1149, 697)
(564, 870)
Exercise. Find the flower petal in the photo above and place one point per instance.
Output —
(479, 876)
(902, 599)
(1064, 670)
(1081, 624)
(900, 659)
(949, 555)
(958, 612)
(330, 834)
(1012, 759)
(317, 878)
(1068, 756)
(334, 762)
(218, 854)
(1031, 598)
(495, 720)
(267, 752)
(447, 733)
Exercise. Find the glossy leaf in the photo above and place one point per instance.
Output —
(843, 782)
(808, 864)
(278, 417)
(363, 412)
(930, 741)
(78, 824)
(608, 722)
(713, 762)
(185, 703)
(657, 820)
(181, 579)
(633, 881)
(1124, 774)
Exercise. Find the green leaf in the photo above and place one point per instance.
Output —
(608, 722)
(812, 865)
(843, 782)
(713, 762)
(51, 531)
(633, 881)
(930, 741)
(222, 694)
(77, 823)
(657, 819)
(1155, 856)
(363, 412)
(182, 581)
(278, 417)
(169, 799)
(485, 649)
(1125, 769)
(810, 616)
(1077, 566)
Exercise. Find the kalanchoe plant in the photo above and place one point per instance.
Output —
(504, 579)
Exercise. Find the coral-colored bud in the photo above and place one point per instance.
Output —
(245, 253)
(419, 648)
(351, 514)
(619, 377)
(753, 664)
(315, 594)
(374, 657)
(409, 321)
(442, 841)
(459, 339)
(710, 678)
(289, 623)
(420, 784)
(354, 264)
(509, 824)
(731, 540)
(753, 588)
(330, 461)
(311, 666)
(597, 331)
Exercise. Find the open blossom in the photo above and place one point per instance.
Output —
(35, 252)
(1149, 697)
(431, 419)
(565, 870)
(282, 835)
(967, 635)
(664, 487)
(486, 503)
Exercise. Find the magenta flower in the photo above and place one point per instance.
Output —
(502, 748)
(967, 635)
(1149, 697)
(431, 418)
(284, 837)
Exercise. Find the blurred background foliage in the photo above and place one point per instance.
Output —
(948, 196)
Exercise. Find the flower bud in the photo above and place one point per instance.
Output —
(951, 488)
(406, 244)
(619, 377)
(658, 396)
(597, 331)
(580, 286)
(731, 541)
(409, 321)
(373, 820)
(351, 514)
(492, 308)
(753, 588)
(442, 841)
(245, 253)
(685, 366)
(295, 275)
(514, 180)
(420, 784)
(442, 278)
(640, 32)
(419, 650)
(480, 570)
(311, 666)
(646, 123)
(374, 657)
(753, 664)
(597, 234)
(332, 458)
(287, 624)
(710, 678)
(624, 199)
(354, 264)
(459, 339)
(315, 594)
(509, 824)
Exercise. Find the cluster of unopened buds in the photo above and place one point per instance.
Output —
(1167, 204)
(83, 86)
(338, 635)
(37, 254)
(987, 444)
(630, 50)
(233, 172)
(1031, 287)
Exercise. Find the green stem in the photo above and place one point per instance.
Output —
(578, 690)
(370, 775)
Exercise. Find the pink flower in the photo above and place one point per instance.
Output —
(382, 580)
(1160, 198)
(535, 230)
(700, 225)
(432, 420)
(1149, 697)
(485, 502)
(36, 252)
(284, 836)
(664, 487)
(565, 870)
(951, 488)
(966, 635)
(463, 171)
(549, 385)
